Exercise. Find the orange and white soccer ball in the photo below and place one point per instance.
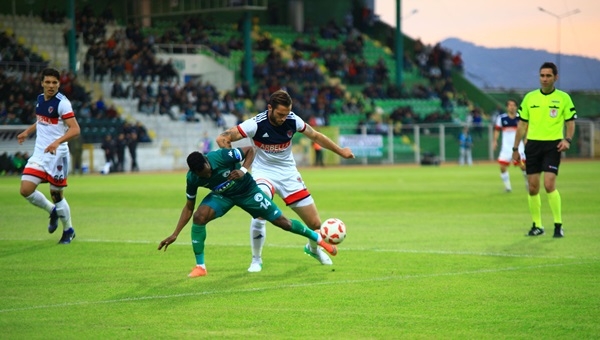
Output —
(333, 231)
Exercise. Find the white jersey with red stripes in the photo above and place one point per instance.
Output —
(508, 126)
(273, 143)
(50, 116)
(274, 167)
(50, 126)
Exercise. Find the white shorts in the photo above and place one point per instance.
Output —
(288, 185)
(505, 156)
(46, 167)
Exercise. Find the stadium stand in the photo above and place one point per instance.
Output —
(338, 74)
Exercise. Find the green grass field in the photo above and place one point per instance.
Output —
(431, 253)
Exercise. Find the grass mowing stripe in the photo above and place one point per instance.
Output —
(280, 246)
(228, 291)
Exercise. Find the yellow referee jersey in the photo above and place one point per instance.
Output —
(546, 114)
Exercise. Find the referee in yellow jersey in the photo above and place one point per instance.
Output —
(543, 115)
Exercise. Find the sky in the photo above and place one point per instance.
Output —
(501, 23)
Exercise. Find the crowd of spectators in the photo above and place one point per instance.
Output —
(13, 164)
(116, 147)
(185, 102)
(16, 55)
(129, 55)
(298, 71)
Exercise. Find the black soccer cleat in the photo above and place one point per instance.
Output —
(535, 231)
(558, 230)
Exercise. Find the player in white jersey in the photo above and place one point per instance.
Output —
(274, 168)
(55, 125)
(507, 123)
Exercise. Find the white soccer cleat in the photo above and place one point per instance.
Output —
(319, 255)
(255, 266)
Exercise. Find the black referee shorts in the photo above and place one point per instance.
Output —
(542, 156)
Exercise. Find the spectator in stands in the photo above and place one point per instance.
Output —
(298, 44)
(189, 114)
(110, 149)
(318, 154)
(465, 147)
(205, 144)
(361, 127)
(263, 42)
(3, 113)
(353, 44)
(118, 91)
(165, 103)
(19, 160)
(381, 71)
(120, 146)
(107, 15)
(142, 133)
(475, 119)
(351, 106)
(6, 166)
(111, 112)
(132, 143)
(349, 22)
(76, 150)
(457, 62)
(101, 107)
(205, 106)
(67, 36)
(241, 90)
(166, 71)
(218, 118)
(330, 31)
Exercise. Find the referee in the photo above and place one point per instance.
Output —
(543, 115)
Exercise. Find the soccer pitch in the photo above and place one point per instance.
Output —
(431, 253)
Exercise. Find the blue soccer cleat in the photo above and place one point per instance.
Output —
(53, 224)
(67, 236)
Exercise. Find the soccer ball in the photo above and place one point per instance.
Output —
(333, 231)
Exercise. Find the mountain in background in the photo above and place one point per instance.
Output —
(517, 68)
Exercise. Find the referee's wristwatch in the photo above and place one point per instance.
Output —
(515, 149)
(568, 140)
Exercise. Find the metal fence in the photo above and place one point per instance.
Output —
(423, 143)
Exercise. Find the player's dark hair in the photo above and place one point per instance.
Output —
(550, 65)
(51, 72)
(196, 161)
(512, 100)
(280, 97)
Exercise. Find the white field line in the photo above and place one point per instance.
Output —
(287, 286)
(271, 245)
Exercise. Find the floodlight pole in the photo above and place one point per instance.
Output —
(558, 20)
(399, 48)
(399, 45)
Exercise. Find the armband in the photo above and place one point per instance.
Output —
(244, 170)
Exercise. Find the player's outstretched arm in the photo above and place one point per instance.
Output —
(226, 137)
(326, 142)
(184, 218)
